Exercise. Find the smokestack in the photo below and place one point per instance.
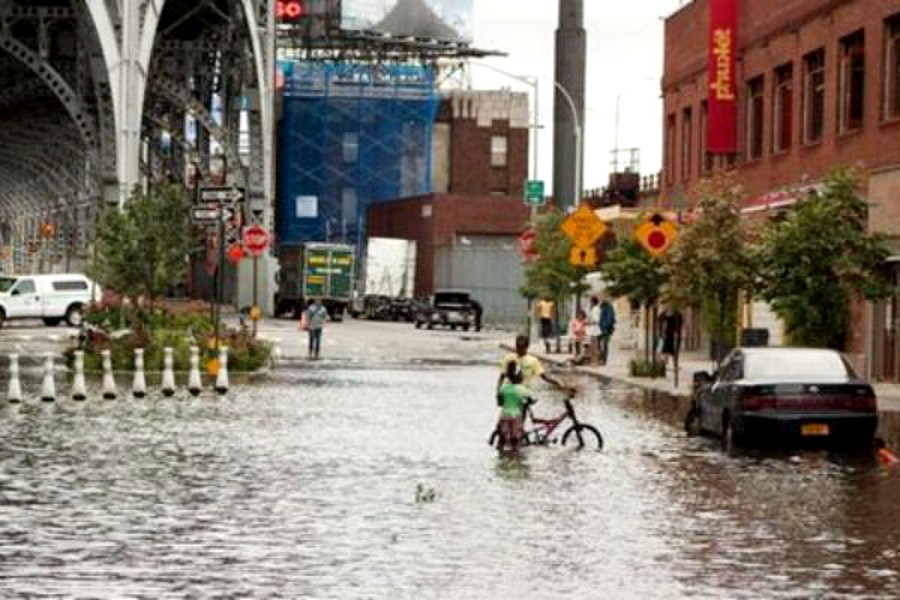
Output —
(571, 59)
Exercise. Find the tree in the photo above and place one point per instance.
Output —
(141, 249)
(711, 262)
(551, 273)
(814, 260)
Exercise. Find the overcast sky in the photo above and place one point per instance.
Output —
(624, 57)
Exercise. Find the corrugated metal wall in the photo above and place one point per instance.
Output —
(489, 267)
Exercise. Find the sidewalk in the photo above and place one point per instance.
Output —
(617, 370)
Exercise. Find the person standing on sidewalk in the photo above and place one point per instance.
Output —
(545, 314)
(593, 329)
(607, 324)
(315, 316)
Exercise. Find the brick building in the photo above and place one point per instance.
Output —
(818, 86)
(466, 231)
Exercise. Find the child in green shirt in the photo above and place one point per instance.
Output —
(511, 398)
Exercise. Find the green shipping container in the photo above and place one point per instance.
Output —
(328, 272)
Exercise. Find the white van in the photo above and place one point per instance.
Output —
(53, 298)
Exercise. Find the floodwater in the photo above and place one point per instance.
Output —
(306, 487)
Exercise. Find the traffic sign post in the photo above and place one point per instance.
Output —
(256, 241)
(656, 234)
(534, 193)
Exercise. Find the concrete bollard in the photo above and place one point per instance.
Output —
(139, 386)
(195, 385)
(14, 391)
(168, 375)
(222, 377)
(109, 382)
(48, 385)
(79, 389)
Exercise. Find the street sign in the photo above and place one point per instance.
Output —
(584, 227)
(656, 234)
(222, 195)
(534, 193)
(209, 213)
(583, 257)
(526, 245)
(256, 240)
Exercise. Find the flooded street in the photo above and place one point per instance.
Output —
(306, 487)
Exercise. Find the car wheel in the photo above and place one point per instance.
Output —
(730, 439)
(692, 422)
(51, 322)
(74, 316)
(2, 317)
(453, 327)
(465, 327)
(418, 325)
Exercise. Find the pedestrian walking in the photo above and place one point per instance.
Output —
(545, 314)
(313, 321)
(607, 324)
(670, 323)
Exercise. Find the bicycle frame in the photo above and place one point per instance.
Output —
(544, 428)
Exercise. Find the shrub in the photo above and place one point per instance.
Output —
(647, 368)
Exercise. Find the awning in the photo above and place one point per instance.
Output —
(781, 199)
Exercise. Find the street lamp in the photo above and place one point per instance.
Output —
(616, 136)
(532, 80)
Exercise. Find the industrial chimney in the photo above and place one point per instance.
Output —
(571, 45)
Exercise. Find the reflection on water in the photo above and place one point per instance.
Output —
(308, 487)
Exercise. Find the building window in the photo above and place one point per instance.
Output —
(351, 147)
(783, 109)
(686, 131)
(705, 159)
(670, 148)
(892, 68)
(813, 97)
(852, 82)
(755, 108)
(498, 150)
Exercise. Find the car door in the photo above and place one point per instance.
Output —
(723, 390)
(24, 300)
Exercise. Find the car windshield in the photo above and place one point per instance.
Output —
(451, 298)
(797, 365)
(6, 283)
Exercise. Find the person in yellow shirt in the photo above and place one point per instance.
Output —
(545, 314)
(528, 365)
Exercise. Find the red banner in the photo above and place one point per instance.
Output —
(721, 136)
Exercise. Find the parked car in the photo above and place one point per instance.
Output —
(784, 394)
(53, 298)
(448, 308)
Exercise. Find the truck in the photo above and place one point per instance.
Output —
(387, 287)
(316, 271)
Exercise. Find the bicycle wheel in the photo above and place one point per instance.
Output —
(589, 435)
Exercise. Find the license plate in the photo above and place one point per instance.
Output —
(811, 429)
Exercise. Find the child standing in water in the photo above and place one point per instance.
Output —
(511, 398)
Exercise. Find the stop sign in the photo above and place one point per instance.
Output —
(256, 240)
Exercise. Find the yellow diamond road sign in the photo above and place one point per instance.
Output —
(584, 227)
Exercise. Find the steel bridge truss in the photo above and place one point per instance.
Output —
(100, 97)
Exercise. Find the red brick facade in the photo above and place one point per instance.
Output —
(437, 220)
(774, 33)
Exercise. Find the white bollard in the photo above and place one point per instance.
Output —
(14, 392)
(48, 385)
(222, 377)
(109, 382)
(168, 375)
(79, 389)
(195, 384)
(139, 387)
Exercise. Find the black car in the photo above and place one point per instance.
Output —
(765, 395)
(448, 308)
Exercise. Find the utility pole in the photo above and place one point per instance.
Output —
(571, 52)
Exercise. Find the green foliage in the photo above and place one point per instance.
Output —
(711, 261)
(552, 274)
(814, 260)
(141, 249)
(632, 272)
(647, 368)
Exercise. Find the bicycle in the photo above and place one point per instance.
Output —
(542, 429)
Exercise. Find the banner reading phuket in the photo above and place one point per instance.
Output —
(721, 133)
(445, 20)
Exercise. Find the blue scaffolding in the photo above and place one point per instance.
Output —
(351, 135)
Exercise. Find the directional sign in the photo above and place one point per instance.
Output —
(526, 245)
(534, 193)
(225, 195)
(583, 257)
(656, 234)
(210, 213)
(584, 227)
